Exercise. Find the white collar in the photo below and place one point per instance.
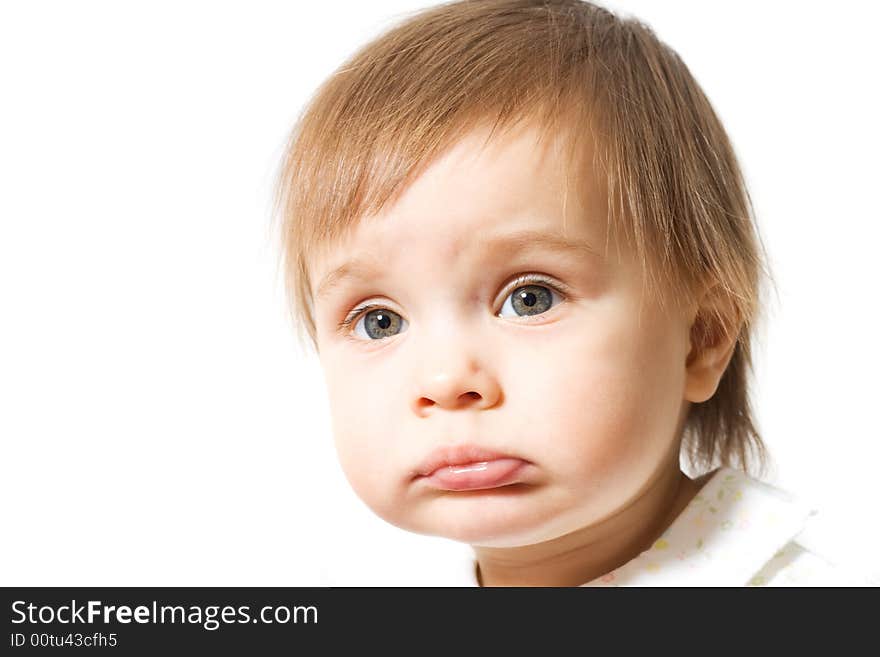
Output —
(724, 536)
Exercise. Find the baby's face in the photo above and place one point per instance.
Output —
(570, 375)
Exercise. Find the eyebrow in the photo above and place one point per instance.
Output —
(525, 240)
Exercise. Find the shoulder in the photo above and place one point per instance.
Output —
(827, 552)
(738, 530)
(822, 548)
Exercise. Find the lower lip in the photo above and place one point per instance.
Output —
(476, 476)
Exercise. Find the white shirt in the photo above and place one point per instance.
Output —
(737, 531)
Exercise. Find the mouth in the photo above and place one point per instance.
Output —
(465, 467)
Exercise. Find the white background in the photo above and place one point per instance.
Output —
(157, 423)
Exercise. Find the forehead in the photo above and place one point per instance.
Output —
(507, 192)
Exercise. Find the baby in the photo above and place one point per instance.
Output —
(518, 238)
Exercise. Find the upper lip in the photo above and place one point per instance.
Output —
(457, 455)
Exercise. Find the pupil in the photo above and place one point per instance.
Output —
(528, 298)
(383, 321)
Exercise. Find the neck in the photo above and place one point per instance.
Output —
(590, 552)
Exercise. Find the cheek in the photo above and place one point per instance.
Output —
(363, 432)
(616, 395)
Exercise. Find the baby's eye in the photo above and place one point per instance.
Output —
(380, 323)
(530, 300)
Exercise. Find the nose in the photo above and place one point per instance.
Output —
(455, 383)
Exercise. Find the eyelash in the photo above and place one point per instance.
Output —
(519, 281)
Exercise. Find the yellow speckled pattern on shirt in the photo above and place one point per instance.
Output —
(737, 531)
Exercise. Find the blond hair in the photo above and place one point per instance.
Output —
(676, 194)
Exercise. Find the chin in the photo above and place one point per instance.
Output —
(485, 522)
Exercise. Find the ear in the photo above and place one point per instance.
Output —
(711, 344)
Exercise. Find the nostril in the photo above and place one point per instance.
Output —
(468, 398)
